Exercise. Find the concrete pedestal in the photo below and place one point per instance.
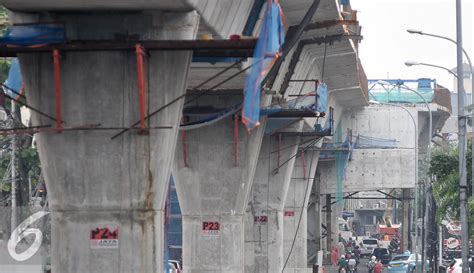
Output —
(95, 182)
(405, 219)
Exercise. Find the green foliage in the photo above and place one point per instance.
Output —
(29, 158)
(4, 63)
(444, 168)
(4, 68)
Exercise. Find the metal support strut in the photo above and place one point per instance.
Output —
(185, 153)
(142, 81)
(236, 140)
(57, 84)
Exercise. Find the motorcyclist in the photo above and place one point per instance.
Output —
(342, 264)
(394, 245)
(352, 265)
(371, 264)
(357, 254)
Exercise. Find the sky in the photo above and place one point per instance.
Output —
(387, 45)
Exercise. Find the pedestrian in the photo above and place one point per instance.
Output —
(378, 267)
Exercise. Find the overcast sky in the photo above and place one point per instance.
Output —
(386, 44)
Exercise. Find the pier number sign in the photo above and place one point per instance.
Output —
(104, 237)
(211, 228)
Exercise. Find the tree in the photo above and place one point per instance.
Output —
(444, 169)
(27, 162)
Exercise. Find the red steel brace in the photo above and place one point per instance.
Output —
(236, 140)
(57, 84)
(142, 80)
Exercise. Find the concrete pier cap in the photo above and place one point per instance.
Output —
(98, 185)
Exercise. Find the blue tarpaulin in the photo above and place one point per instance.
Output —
(13, 83)
(269, 44)
(322, 98)
(33, 35)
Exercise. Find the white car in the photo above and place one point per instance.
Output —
(457, 266)
(367, 246)
(175, 267)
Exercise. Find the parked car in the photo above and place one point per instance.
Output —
(367, 246)
(382, 254)
(405, 263)
(456, 266)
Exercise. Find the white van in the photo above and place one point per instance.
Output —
(368, 245)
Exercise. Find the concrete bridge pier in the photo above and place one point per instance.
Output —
(296, 204)
(213, 170)
(103, 188)
(264, 236)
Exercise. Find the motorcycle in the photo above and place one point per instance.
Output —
(352, 266)
(393, 247)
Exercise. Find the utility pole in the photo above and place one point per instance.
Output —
(462, 143)
(14, 182)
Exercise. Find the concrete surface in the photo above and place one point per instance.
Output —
(372, 169)
(93, 180)
(212, 187)
(215, 14)
(264, 237)
(296, 204)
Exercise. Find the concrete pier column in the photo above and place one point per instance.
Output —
(213, 185)
(297, 206)
(329, 217)
(264, 236)
(103, 188)
(405, 216)
(318, 230)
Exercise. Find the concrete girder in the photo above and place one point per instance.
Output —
(341, 71)
(378, 169)
(219, 17)
(295, 10)
(94, 181)
(264, 218)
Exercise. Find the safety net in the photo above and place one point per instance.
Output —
(374, 142)
(401, 91)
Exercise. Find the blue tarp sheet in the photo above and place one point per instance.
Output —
(14, 82)
(269, 44)
(322, 98)
(33, 35)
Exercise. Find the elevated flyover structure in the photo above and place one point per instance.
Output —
(381, 145)
(276, 217)
(100, 179)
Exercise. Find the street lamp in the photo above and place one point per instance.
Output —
(429, 160)
(415, 31)
(462, 132)
(413, 63)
